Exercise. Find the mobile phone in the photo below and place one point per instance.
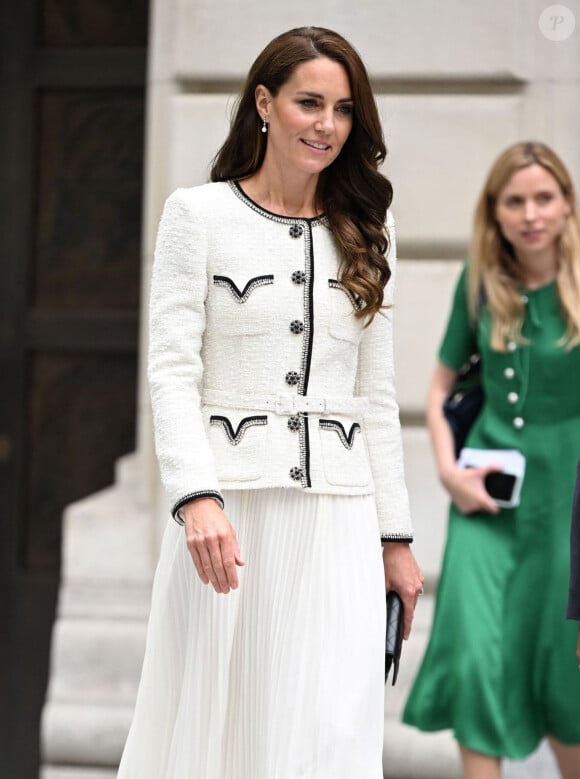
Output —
(501, 487)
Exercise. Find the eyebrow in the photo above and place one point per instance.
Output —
(321, 97)
(534, 194)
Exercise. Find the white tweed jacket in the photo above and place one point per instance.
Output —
(260, 374)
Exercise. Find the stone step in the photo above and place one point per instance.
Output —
(96, 666)
(84, 735)
(96, 660)
(64, 772)
(408, 753)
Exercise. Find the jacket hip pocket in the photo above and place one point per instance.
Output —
(344, 454)
(238, 446)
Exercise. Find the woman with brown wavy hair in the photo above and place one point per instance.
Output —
(500, 667)
(278, 439)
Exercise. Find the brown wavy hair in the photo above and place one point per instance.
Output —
(493, 266)
(351, 192)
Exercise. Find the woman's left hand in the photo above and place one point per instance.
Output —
(403, 575)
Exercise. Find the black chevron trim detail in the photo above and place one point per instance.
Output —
(237, 435)
(338, 427)
(241, 297)
(356, 301)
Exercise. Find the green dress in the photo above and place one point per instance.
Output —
(500, 667)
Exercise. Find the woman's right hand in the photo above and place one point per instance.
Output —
(212, 544)
(466, 486)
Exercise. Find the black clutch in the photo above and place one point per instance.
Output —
(394, 637)
(463, 404)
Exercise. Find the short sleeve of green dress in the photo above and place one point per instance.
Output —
(500, 668)
(459, 341)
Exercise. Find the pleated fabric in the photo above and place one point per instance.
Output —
(282, 678)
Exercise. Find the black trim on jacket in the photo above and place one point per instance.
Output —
(347, 439)
(236, 436)
(195, 496)
(243, 295)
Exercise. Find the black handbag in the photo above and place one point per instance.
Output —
(464, 401)
(394, 636)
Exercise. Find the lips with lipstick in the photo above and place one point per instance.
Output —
(532, 235)
(316, 145)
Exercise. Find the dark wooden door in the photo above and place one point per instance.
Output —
(71, 159)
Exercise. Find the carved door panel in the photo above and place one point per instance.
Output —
(71, 149)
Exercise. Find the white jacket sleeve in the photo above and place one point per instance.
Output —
(376, 380)
(176, 331)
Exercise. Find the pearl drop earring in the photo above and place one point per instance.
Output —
(264, 126)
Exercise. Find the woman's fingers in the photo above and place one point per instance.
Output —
(217, 561)
(403, 575)
(208, 569)
(222, 558)
(212, 544)
(467, 490)
(229, 557)
(196, 557)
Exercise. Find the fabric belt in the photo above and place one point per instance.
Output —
(287, 404)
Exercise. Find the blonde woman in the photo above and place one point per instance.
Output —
(500, 667)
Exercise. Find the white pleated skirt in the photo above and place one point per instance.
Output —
(281, 678)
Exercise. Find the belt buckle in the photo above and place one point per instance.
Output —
(317, 405)
(286, 404)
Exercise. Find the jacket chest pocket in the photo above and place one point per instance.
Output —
(239, 446)
(343, 324)
(344, 453)
(244, 306)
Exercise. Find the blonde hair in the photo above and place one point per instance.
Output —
(493, 269)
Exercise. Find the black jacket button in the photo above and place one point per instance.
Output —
(296, 230)
(294, 423)
(296, 327)
(292, 378)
